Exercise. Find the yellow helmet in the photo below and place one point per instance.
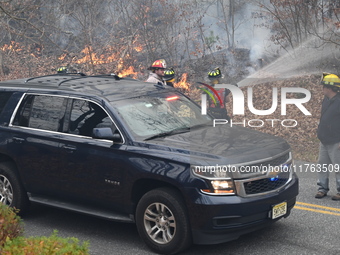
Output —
(62, 69)
(330, 79)
(215, 74)
(169, 74)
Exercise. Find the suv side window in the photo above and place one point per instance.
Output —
(41, 112)
(85, 116)
(4, 96)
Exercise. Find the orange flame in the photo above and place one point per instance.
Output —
(182, 82)
(90, 57)
(129, 71)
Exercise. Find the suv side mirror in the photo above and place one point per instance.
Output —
(106, 133)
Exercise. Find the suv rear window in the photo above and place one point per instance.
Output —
(41, 112)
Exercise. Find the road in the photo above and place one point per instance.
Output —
(312, 228)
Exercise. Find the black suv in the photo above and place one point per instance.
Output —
(139, 152)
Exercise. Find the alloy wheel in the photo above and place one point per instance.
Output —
(159, 223)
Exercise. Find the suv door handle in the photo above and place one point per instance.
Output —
(69, 148)
(18, 139)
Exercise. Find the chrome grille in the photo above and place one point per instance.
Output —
(266, 184)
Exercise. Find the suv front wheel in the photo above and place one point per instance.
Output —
(12, 192)
(162, 221)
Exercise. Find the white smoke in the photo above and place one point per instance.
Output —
(249, 31)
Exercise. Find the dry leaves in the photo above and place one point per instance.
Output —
(302, 137)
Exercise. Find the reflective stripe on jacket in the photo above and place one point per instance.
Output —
(222, 94)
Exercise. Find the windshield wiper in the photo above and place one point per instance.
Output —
(169, 133)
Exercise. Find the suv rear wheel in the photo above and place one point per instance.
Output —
(162, 221)
(12, 192)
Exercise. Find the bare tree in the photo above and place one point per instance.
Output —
(295, 21)
(111, 35)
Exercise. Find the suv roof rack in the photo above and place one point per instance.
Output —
(110, 75)
(57, 74)
(82, 75)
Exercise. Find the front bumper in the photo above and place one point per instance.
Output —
(218, 219)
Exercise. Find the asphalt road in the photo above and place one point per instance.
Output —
(312, 228)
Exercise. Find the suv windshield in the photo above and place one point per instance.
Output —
(160, 114)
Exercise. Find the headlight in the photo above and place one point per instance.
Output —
(218, 179)
(220, 187)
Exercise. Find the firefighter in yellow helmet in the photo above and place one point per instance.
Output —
(157, 72)
(330, 80)
(62, 69)
(214, 76)
(219, 111)
(329, 135)
(169, 76)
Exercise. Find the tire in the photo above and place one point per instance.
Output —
(162, 221)
(12, 192)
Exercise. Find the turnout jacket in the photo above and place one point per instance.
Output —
(154, 78)
(329, 125)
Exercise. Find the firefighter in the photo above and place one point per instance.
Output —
(62, 69)
(66, 69)
(219, 111)
(329, 135)
(169, 76)
(157, 72)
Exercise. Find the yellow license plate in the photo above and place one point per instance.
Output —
(279, 210)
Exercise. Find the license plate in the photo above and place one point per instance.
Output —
(279, 210)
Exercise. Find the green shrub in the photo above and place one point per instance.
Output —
(52, 245)
(11, 225)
